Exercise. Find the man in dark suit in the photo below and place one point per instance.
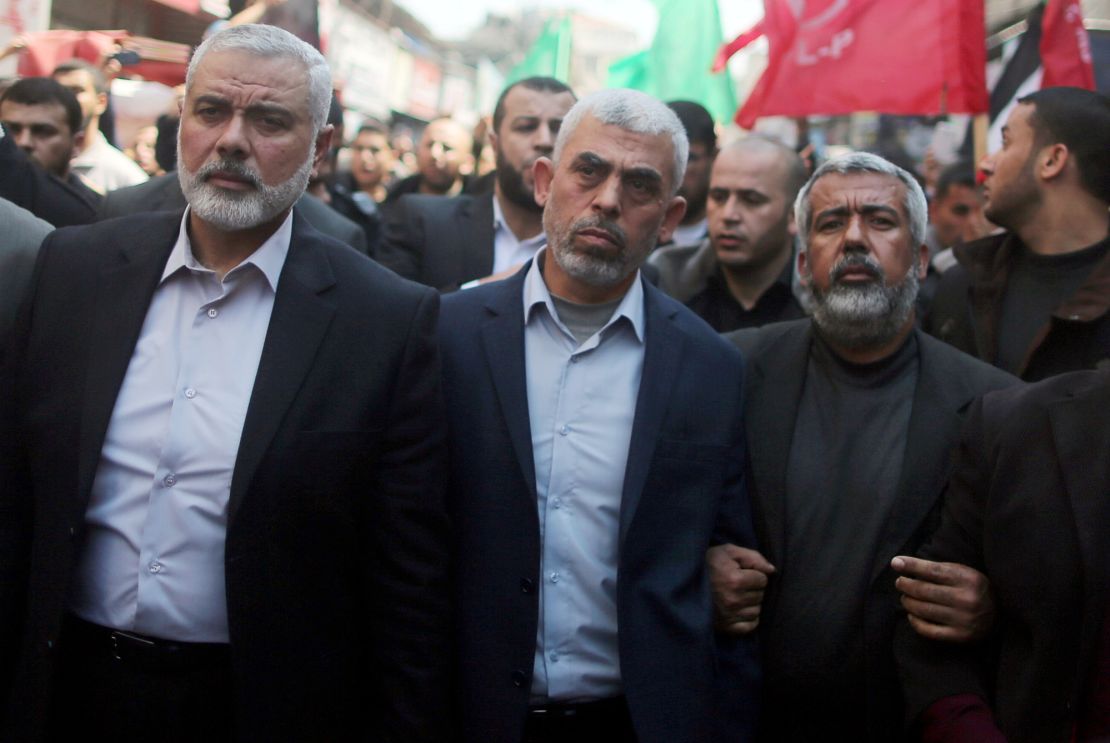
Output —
(1027, 504)
(164, 194)
(591, 466)
(19, 244)
(221, 511)
(851, 417)
(25, 183)
(445, 243)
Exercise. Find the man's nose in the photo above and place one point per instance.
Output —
(854, 238)
(986, 164)
(544, 141)
(233, 143)
(608, 197)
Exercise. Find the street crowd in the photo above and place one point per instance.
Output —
(626, 435)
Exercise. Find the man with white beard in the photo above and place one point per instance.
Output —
(221, 453)
(851, 417)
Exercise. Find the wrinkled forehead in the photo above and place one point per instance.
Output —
(245, 77)
(856, 190)
(622, 148)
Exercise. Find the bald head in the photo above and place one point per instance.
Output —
(443, 155)
(751, 190)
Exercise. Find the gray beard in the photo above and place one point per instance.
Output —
(861, 317)
(597, 270)
(239, 210)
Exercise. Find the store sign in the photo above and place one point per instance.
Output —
(361, 55)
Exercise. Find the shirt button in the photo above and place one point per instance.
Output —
(526, 585)
(190, 393)
(553, 656)
(519, 677)
(564, 430)
(213, 312)
(574, 359)
(554, 577)
(169, 480)
(155, 567)
(557, 503)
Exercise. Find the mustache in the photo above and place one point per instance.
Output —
(230, 167)
(600, 223)
(855, 261)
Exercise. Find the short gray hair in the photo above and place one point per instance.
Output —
(271, 41)
(632, 111)
(917, 208)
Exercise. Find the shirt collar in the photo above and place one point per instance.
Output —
(499, 224)
(631, 307)
(269, 258)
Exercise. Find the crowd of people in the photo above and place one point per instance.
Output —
(635, 437)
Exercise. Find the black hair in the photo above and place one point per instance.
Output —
(39, 91)
(100, 83)
(541, 84)
(697, 122)
(1080, 120)
(959, 173)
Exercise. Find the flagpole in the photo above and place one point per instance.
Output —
(980, 125)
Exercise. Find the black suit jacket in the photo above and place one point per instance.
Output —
(947, 382)
(437, 241)
(336, 532)
(19, 244)
(27, 185)
(1029, 505)
(164, 194)
(683, 490)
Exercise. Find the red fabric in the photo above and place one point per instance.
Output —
(45, 49)
(961, 718)
(724, 54)
(895, 56)
(192, 7)
(1065, 46)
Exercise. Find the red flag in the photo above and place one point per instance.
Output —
(1065, 46)
(724, 54)
(895, 56)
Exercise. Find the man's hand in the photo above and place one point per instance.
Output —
(944, 600)
(737, 577)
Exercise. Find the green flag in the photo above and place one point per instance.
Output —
(676, 66)
(549, 56)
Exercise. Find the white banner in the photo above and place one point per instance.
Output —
(20, 17)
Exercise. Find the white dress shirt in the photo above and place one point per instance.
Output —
(581, 403)
(104, 168)
(508, 249)
(153, 558)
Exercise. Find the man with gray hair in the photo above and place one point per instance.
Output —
(210, 527)
(591, 466)
(851, 418)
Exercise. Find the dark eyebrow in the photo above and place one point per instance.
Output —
(253, 109)
(589, 158)
(648, 173)
(865, 209)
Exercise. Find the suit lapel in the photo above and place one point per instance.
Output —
(1085, 468)
(475, 229)
(933, 433)
(663, 343)
(298, 323)
(774, 392)
(123, 292)
(503, 341)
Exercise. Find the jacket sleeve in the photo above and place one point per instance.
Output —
(402, 244)
(408, 547)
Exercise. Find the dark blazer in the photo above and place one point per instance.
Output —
(1027, 505)
(27, 185)
(336, 532)
(20, 237)
(164, 194)
(947, 382)
(440, 242)
(683, 490)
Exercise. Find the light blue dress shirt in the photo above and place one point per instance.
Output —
(153, 557)
(508, 249)
(581, 403)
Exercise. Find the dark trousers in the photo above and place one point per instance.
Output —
(108, 690)
(605, 721)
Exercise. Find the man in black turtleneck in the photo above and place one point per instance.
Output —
(1035, 301)
(851, 418)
